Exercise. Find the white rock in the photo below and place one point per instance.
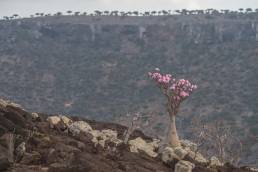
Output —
(140, 144)
(100, 137)
(184, 166)
(197, 156)
(188, 144)
(78, 127)
(155, 143)
(53, 121)
(168, 155)
(180, 152)
(5, 103)
(253, 169)
(34, 115)
(214, 161)
(109, 133)
(67, 121)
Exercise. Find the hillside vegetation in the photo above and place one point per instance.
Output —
(96, 66)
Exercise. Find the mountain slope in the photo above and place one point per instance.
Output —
(96, 67)
(39, 146)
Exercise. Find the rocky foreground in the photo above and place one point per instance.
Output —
(35, 142)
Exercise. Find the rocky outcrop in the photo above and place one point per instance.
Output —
(84, 146)
(184, 166)
(139, 144)
(78, 127)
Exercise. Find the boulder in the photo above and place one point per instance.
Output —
(155, 143)
(5, 103)
(188, 144)
(61, 122)
(197, 157)
(67, 121)
(215, 162)
(170, 154)
(78, 127)
(101, 137)
(140, 144)
(34, 115)
(53, 121)
(184, 166)
(180, 152)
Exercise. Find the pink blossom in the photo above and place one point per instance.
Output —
(184, 94)
(178, 90)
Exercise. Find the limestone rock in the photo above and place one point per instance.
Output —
(155, 143)
(140, 144)
(101, 137)
(169, 154)
(215, 162)
(53, 121)
(184, 166)
(188, 144)
(34, 115)
(197, 157)
(60, 121)
(67, 121)
(78, 127)
(180, 152)
(5, 103)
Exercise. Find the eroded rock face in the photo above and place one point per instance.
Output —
(184, 166)
(140, 144)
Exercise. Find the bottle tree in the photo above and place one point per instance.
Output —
(175, 91)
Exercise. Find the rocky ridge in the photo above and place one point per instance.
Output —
(36, 142)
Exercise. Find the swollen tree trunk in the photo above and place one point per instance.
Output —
(172, 134)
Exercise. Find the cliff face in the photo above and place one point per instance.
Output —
(96, 67)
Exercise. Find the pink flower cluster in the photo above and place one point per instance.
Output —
(162, 80)
(180, 89)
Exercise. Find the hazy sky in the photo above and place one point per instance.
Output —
(27, 7)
